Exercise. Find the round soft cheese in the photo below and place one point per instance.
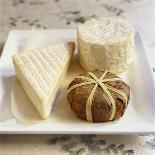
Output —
(106, 44)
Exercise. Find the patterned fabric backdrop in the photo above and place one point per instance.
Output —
(48, 14)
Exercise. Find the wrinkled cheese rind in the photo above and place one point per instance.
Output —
(105, 44)
(40, 72)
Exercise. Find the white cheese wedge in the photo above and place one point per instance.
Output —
(40, 72)
(105, 43)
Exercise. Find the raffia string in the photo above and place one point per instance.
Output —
(105, 87)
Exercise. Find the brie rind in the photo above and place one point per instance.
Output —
(40, 72)
(106, 44)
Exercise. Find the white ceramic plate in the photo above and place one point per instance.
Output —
(138, 118)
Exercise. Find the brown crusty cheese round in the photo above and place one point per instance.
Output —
(101, 108)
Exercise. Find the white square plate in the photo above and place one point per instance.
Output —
(138, 118)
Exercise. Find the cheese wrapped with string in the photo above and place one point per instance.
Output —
(105, 44)
(98, 96)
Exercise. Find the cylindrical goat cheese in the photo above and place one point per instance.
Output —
(105, 43)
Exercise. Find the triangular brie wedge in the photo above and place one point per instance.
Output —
(40, 72)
